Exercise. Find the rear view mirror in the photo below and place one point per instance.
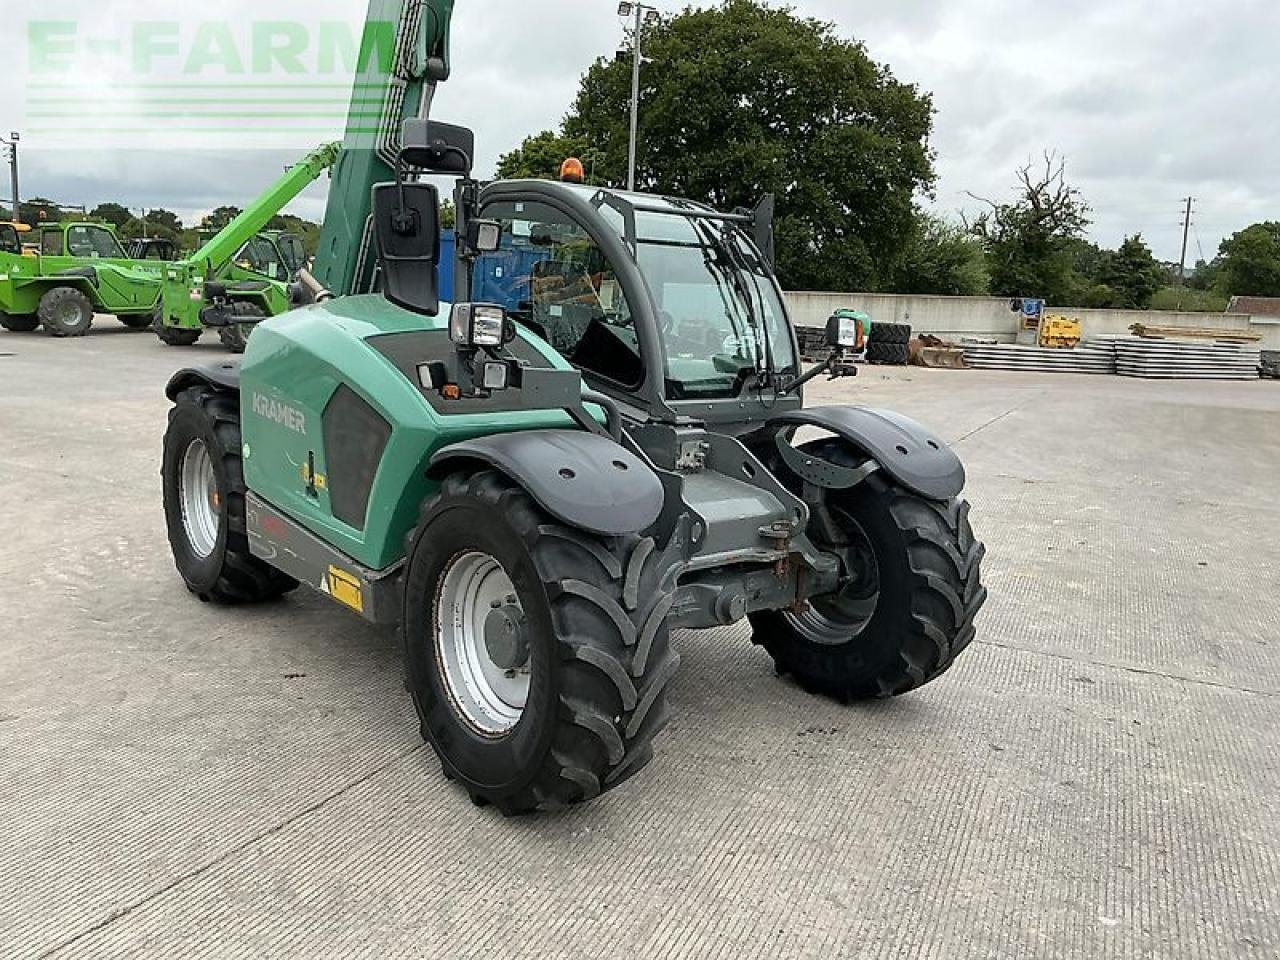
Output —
(407, 223)
(438, 147)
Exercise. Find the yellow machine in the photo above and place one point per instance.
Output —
(1060, 331)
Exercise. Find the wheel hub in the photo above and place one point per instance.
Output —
(504, 635)
(201, 503)
(836, 618)
(482, 643)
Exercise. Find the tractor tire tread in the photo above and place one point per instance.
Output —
(615, 657)
(243, 578)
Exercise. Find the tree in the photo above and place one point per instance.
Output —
(942, 258)
(112, 213)
(1133, 273)
(165, 219)
(1029, 242)
(743, 99)
(220, 217)
(1251, 261)
(39, 210)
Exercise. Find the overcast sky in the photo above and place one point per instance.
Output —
(1149, 102)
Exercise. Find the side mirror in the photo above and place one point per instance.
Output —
(437, 147)
(407, 224)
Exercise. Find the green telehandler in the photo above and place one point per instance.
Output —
(218, 287)
(80, 269)
(537, 484)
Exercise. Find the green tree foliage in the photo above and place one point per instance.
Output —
(112, 213)
(1031, 241)
(40, 210)
(743, 99)
(220, 217)
(942, 258)
(1133, 274)
(1251, 262)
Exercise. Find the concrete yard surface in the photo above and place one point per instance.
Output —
(1098, 775)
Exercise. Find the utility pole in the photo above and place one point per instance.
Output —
(12, 144)
(643, 14)
(1186, 229)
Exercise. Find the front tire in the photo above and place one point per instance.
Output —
(573, 711)
(906, 610)
(66, 312)
(235, 336)
(204, 502)
(173, 336)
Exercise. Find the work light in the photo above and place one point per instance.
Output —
(478, 325)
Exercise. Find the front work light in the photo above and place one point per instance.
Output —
(844, 332)
(479, 325)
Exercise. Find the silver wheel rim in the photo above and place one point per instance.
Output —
(488, 696)
(200, 499)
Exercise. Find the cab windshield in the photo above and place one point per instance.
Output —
(718, 308)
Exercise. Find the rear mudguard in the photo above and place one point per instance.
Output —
(583, 479)
(223, 376)
(916, 458)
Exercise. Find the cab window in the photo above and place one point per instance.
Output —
(9, 242)
(295, 256)
(51, 243)
(94, 243)
(555, 279)
(260, 256)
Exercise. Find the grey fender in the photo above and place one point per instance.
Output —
(919, 460)
(225, 376)
(583, 479)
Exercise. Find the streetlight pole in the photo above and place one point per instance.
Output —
(12, 144)
(643, 14)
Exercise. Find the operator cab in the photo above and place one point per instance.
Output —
(10, 242)
(665, 305)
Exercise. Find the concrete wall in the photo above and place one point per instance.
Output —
(954, 318)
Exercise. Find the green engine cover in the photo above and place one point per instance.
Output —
(297, 384)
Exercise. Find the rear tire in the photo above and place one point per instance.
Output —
(66, 312)
(890, 332)
(19, 322)
(889, 354)
(173, 336)
(594, 640)
(204, 502)
(924, 563)
(236, 336)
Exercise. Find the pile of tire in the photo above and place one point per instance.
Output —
(890, 344)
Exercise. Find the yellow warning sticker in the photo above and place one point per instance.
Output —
(345, 588)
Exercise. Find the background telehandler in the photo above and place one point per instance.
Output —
(539, 484)
(80, 269)
(218, 287)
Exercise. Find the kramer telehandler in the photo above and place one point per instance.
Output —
(213, 289)
(539, 484)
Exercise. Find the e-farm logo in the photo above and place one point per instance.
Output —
(268, 78)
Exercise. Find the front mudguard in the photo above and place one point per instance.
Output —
(913, 456)
(581, 478)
